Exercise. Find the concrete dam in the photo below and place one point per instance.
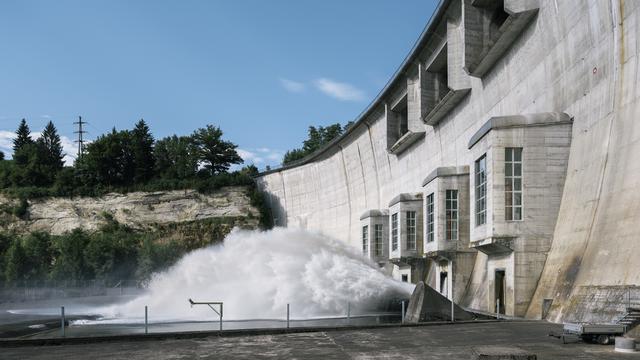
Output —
(498, 163)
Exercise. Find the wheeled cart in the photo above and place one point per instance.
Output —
(598, 333)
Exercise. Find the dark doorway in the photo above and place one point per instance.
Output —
(500, 290)
(405, 278)
(443, 283)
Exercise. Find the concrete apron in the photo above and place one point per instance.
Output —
(223, 333)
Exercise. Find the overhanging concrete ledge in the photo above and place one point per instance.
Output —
(446, 171)
(442, 108)
(374, 213)
(405, 197)
(518, 121)
(494, 245)
(405, 141)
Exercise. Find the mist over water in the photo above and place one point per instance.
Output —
(257, 273)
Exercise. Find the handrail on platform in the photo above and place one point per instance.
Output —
(209, 304)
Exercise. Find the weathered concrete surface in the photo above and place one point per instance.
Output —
(574, 57)
(430, 342)
(139, 210)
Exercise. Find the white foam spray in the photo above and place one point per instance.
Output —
(256, 274)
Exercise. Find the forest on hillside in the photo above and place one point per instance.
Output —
(118, 161)
(121, 161)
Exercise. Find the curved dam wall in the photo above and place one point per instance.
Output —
(556, 79)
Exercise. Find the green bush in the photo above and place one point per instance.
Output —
(16, 266)
(69, 256)
(21, 210)
(38, 249)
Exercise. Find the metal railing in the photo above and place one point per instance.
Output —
(218, 308)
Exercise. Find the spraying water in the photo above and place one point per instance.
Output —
(256, 274)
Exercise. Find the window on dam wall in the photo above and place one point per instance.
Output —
(513, 184)
(481, 190)
(451, 211)
(429, 211)
(365, 240)
(394, 232)
(378, 239)
(411, 230)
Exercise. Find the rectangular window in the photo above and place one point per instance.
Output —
(411, 230)
(430, 217)
(394, 232)
(451, 210)
(365, 240)
(513, 183)
(377, 237)
(481, 190)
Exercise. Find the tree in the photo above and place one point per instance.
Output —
(15, 262)
(5, 243)
(317, 137)
(143, 160)
(155, 256)
(293, 155)
(176, 157)
(330, 132)
(250, 170)
(30, 168)
(50, 141)
(69, 261)
(215, 154)
(108, 161)
(348, 125)
(23, 137)
(66, 182)
(39, 255)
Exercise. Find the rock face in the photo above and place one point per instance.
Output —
(426, 304)
(138, 210)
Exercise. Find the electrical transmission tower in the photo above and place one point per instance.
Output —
(80, 133)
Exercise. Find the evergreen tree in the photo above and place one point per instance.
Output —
(143, 159)
(215, 154)
(30, 166)
(52, 148)
(23, 137)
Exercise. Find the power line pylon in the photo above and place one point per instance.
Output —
(80, 133)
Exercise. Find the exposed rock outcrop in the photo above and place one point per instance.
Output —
(138, 210)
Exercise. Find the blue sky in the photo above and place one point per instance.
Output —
(261, 70)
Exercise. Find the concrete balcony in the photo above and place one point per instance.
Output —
(375, 233)
(405, 228)
(446, 202)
